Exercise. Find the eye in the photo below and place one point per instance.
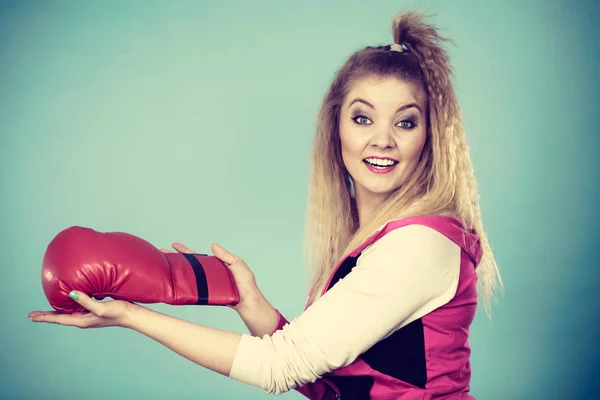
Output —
(361, 120)
(406, 124)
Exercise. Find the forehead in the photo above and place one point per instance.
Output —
(386, 91)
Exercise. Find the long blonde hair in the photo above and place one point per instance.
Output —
(443, 182)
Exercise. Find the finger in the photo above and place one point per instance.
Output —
(223, 254)
(76, 319)
(38, 313)
(182, 249)
(166, 251)
(87, 302)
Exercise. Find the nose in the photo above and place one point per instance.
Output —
(382, 137)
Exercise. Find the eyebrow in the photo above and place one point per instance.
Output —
(401, 108)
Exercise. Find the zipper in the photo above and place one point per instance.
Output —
(336, 391)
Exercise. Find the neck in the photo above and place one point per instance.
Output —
(366, 204)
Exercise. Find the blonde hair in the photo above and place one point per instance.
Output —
(443, 182)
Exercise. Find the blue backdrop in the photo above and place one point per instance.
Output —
(193, 121)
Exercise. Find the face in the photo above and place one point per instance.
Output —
(382, 132)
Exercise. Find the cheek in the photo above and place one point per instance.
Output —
(350, 143)
(413, 148)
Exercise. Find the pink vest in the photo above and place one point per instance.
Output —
(428, 358)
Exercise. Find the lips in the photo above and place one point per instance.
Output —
(380, 162)
(380, 165)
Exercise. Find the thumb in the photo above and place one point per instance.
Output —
(87, 302)
(223, 254)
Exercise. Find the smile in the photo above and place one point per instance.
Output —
(380, 165)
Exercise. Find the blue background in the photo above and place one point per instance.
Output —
(193, 121)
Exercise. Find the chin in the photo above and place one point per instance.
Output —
(382, 192)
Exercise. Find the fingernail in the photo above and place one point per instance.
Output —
(73, 295)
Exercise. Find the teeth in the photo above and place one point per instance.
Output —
(380, 163)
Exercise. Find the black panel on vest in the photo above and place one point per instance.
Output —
(401, 355)
(343, 270)
(353, 387)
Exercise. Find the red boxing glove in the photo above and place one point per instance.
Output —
(126, 267)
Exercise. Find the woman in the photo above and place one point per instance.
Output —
(395, 235)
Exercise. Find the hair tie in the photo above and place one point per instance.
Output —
(401, 48)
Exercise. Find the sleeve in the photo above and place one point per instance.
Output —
(313, 390)
(408, 273)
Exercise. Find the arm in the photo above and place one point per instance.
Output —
(409, 272)
(390, 276)
(208, 347)
(314, 390)
(260, 317)
(254, 309)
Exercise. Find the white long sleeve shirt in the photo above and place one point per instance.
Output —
(403, 276)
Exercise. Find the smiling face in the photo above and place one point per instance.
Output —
(382, 131)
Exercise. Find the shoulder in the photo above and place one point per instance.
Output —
(413, 262)
(413, 238)
(414, 249)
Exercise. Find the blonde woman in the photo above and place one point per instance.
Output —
(395, 238)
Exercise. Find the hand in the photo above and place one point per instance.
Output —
(249, 292)
(99, 315)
